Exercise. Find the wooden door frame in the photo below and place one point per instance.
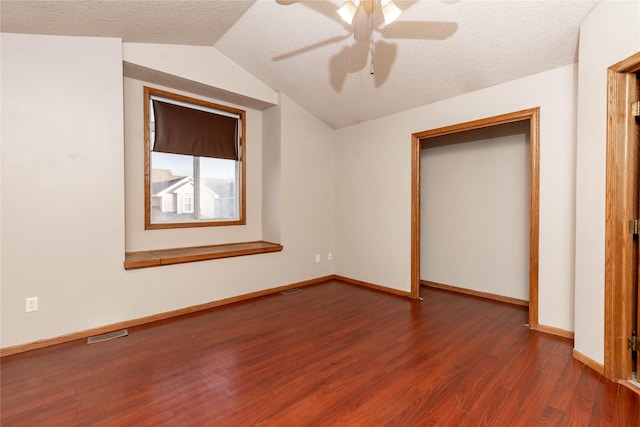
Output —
(621, 179)
(533, 116)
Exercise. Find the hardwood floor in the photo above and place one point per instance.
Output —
(333, 354)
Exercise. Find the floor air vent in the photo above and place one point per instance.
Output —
(109, 336)
(291, 291)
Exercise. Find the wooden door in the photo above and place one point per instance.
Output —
(636, 309)
(621, 247)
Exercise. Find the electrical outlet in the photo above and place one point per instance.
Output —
(318, 258)
(31, 304)
(329, 256)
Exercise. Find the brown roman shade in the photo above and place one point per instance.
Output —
(183, 130)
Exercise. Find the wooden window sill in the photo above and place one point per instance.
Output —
(158, 257)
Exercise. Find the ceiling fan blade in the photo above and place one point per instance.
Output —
(362, 25)
(425, 30)
(309, 48)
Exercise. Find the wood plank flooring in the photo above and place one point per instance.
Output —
(331, 355)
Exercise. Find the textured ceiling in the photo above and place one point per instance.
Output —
(194, 22)
(435, 50)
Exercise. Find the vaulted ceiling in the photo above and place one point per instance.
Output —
(436, 49)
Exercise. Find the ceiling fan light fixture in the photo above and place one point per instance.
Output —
(390, 11)
(348, 10)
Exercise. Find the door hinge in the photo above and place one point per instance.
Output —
(635, 109)
(633, 342)
(633, 226)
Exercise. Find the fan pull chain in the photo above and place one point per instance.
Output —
(371, 69)
(371, 18)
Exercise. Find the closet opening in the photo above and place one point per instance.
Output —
(475, 209)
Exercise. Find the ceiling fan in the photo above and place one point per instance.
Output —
(362, 12)
(366, 17)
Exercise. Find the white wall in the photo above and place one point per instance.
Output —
(62, 182)
(609, 34)
(474, 211)
(307, 191)
(373, 185)
(271, 174)
(63, 137)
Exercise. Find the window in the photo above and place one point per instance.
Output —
(187, 202)
(194, 162)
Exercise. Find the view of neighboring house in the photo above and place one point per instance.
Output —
(172, 197)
